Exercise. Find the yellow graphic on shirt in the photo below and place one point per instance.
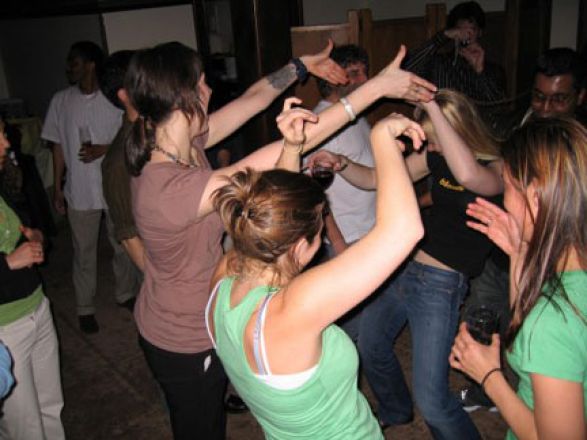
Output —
(445, 183)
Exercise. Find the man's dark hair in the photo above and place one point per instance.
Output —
(466, 11)
(562, 61)
(344, 56)
(111, 78)
(89, 52)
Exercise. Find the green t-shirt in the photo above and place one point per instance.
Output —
(328, 406)
(553, 341)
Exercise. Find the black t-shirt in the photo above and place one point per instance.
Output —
(448, 238)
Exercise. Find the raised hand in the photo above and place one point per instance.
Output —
(399, 83)
(292, 119)
(396, 125)
(471, 357)
(499, 226)
(323, 67)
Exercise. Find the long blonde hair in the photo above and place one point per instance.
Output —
(464, 118)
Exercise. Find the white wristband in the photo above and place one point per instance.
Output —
(348, 108)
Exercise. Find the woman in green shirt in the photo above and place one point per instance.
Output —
(273, 324)
(32, 409)
(544, 231)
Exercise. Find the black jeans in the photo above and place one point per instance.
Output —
(194, 386)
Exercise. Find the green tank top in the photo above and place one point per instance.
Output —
(329, 405)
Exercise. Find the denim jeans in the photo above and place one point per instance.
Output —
(428, 299)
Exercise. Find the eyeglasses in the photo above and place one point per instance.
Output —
(556, 99)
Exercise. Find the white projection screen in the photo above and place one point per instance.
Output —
(136, 29)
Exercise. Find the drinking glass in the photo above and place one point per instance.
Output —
(323, 174)
(482, 322)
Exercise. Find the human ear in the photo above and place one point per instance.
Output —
(533, 197)
(300, 252)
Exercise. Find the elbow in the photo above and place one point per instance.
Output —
(412, 230)
(415, 231)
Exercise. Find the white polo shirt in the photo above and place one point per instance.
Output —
(353, 208)
(69, 110)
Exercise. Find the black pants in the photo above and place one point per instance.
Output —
(193, 392)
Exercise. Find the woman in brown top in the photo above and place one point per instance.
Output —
(174, 214)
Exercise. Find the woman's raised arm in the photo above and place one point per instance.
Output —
(484, 180)
(319, 296)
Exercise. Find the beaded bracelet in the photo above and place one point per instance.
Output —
(489, 373)
(348, 108)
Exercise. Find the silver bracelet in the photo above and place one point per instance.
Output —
(348, 108)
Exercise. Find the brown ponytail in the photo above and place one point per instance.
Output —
(267, 213)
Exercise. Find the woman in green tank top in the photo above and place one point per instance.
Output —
(273, 324)
(545, 234)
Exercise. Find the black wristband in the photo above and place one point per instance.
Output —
(301, 69)
(489, 373)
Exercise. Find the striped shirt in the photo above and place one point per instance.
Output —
(69, 110)
(445, 71)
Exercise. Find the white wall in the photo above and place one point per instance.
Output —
(335, 11)
(146, 27)
(34, 51)
(563, 27)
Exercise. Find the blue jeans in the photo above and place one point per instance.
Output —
(428, 299)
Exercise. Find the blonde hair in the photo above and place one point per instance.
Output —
(465, 120)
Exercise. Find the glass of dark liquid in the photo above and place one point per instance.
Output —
(482, 322)
(323, 174)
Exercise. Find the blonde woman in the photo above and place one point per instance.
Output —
(463, 161)
(544, 233)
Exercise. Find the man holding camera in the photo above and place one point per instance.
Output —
(464, 67)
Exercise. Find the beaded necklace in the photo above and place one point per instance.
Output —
(174, 158)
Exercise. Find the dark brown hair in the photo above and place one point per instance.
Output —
(551, 154)
(159, 81)
(265, 213)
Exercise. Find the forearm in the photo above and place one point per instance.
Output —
(419, 57)
(136, 251)
(517, 415)
(397, 208)
(255, 99)
(359, 175)
(335, 116)
(460, 158)
(334, 235)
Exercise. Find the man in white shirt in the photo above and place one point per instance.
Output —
(82, 123)
(353, 209)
